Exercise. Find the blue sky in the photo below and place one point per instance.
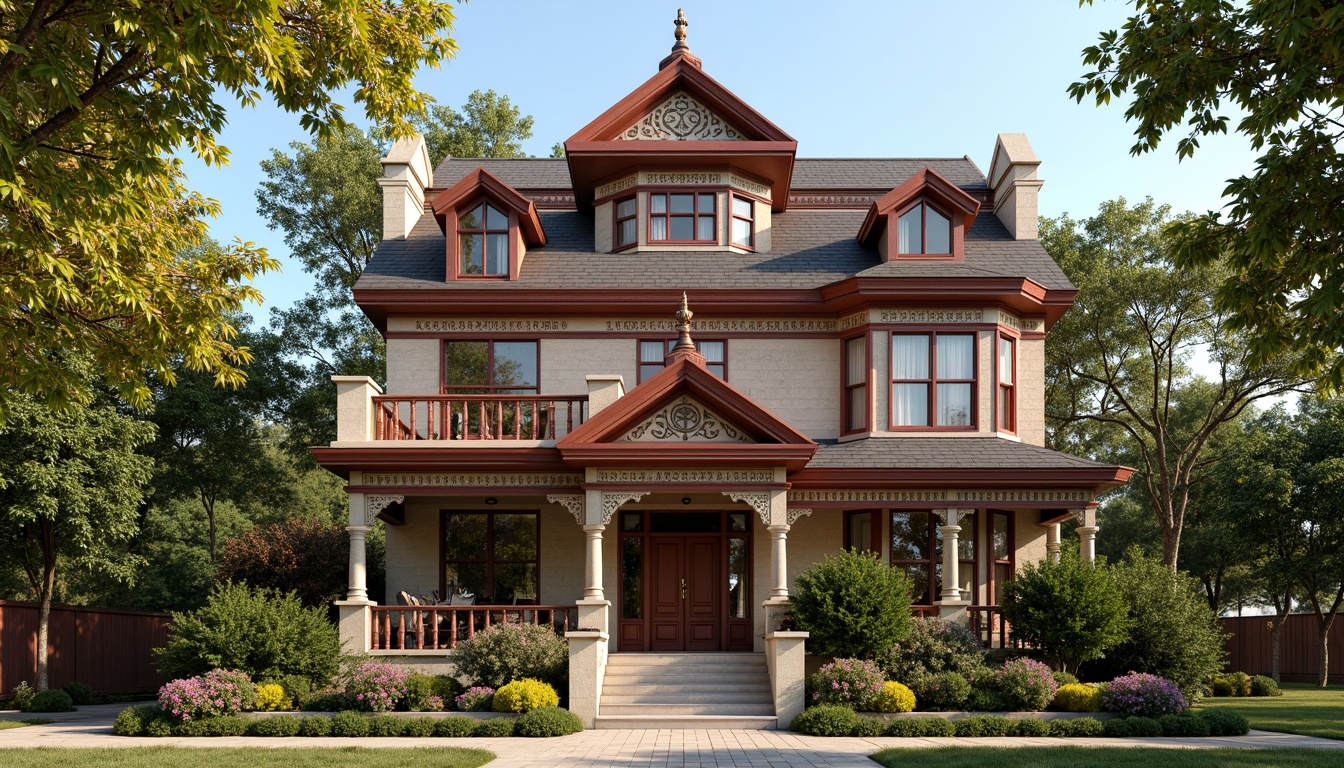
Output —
(846, 79)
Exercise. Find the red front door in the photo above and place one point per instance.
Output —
(684, 605)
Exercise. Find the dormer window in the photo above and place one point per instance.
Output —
(924, 230)
(627, 222)
(682, 217)
(483, 241)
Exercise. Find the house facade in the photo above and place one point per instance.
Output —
(632, 393)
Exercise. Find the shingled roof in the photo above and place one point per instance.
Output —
(911, 452)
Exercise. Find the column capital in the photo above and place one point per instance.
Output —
(594, 528)
(357, 529)
(951, 515)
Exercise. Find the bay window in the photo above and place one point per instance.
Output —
(626, 233)
(932, 380)
(743, 221)
(682, 217)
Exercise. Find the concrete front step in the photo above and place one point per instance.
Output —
(677, 690)
(743, 703)
(715, 660)
(689, 722)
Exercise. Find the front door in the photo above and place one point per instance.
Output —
(685, 612)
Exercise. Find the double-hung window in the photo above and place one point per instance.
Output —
(932, 380)
(1007, 402)
(483, 241)
(627, 219)
(653, 353)
(743, 222)
(856, 384)
(682, 217)
(916, 548)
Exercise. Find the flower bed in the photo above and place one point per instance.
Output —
(836, 720)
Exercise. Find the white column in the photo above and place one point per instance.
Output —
(358, 587)
(779, 562)
(951, 555)
(592, 566)
(1087, 539)
(1052, 542)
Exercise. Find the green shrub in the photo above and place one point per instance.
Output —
(1173, 633)
(23, 696)
(1077, 697)
(132, 720)
(855, 605)
(349, 725)
(417, 727)
(420, 694)
(80, 693)
(386, 725)
(1117, 728)
(1144, 727)
(1088, 727)
(916, 727)
(867, 726)
(315, 725)
(281, 725)
(1225, 722)
(1061, 728)
(985, 700)
(1070, 609)
(1030, 726)
(327, 701)
(1184, 726)
(1264, 686)
(159, 727)
(454, 727)
(946, 692)
(893, 697)
(1026, 684)
(1064, 678)
(494, 728)
(547, 721)
(931, 647)
(984, 725)
(502, 654)
(1220, 686)
(222, 725)
(52, 700)
(271, 697)
(193, 727)
(298, 688)
(825, 720)
(1241, 683)
(524, 696)
(260, 632)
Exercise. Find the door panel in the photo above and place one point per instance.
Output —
(684, 604)
(666, 616)
(703, 616)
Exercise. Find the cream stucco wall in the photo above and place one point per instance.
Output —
(797, 379)
(413, 366)
(1031, 391)
(565, 363)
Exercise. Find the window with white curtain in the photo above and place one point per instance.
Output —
(932, 379)
(856, 384)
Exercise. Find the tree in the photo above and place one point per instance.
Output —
(96, 253)
(1192, 67)
(854, 605)
(1119, 365)
(1069, 609)
(71, 484)
(306, 556)
(1320, 490)
(488, 126)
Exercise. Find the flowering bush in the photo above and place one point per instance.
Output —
(893, 697)
(477, 698)
(852, 682)
(1026, 685)
(271, 697)
(934, 646)
(376, 687)
(945, 692)
(217, 692)
(1077, 697)
(509, 652)
(524, 696)
(1144, 695)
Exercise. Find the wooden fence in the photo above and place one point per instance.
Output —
(1249, 647)
(104, 648)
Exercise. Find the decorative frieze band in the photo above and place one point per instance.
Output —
(931, 316)
(610, 325)
(865, 496)
(1041, 496)
(684, 476)
(473, 479)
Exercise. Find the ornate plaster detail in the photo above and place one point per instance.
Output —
(681, 118)
(571, 501)
(1029, 494)
(613, 501)
(1080, 515)
(931, 316)
(757, 500)
(866, 496)
(474, 479)
(684, 476)
(373, 505)
(685, 418)
(794, 514)
(952, 515)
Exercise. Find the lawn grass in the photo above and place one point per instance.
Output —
(1107, 757)
(253, 757)
(5, 724)
(1303, 709)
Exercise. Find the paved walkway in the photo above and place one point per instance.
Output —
(92, 727)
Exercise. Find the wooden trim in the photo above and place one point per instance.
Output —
(991, 596)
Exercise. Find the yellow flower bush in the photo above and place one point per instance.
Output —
(1077, 697)
(893, 697)
(271, 698)
(524, 696)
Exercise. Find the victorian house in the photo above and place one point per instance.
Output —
(632, 393)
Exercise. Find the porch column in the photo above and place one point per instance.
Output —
(592, 564)
(358, 587)
(1087, 532)
(1052, 542)
(951, 554)
(779, 562)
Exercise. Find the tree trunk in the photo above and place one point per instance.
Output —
(1281, 611)
(209, 504)
(1323, 634)
(44, 602)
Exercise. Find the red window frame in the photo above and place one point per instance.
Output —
(1005, 404)
(932, 382)
(875, 535)
(618, 219)
(933, 546)
(995, 585)
(750, 219)
(924, 230)
(484, 231)
(969, 521)
(488, 557)
(487, 388)
(695, 215)
(847, 386)
(640, 363)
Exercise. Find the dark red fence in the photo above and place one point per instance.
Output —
(1249, 647)
(104, 648)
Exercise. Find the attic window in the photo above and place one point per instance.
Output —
(924, 230)
(483, 241)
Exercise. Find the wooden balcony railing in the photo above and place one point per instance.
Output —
(421, 627)
(477, 417)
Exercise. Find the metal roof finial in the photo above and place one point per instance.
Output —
(684, 316)
(680, 33)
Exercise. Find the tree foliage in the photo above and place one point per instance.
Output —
(71, 484)
(1121, 380)
(306, 556)
(854, 605)
(489, 125)
(1272, 72)
(1070, 609)
(98, 252)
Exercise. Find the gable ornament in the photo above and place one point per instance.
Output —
(680, 118)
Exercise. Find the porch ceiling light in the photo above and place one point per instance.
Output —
(491, 500)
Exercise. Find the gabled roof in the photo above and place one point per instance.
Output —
(761, 438)
(926, 182)
(481, 182)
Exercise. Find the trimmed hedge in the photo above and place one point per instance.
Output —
(825, 720)
(455, 727)
(274, 726)
(499, 726)
(52, 700)
(547, 721)
(920, 727)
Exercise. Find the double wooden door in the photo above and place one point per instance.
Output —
(685, 612)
